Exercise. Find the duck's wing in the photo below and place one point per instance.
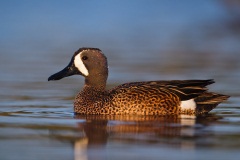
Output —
(183, 89)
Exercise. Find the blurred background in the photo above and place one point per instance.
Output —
(183, 39)
(143, 40)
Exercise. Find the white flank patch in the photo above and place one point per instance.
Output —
(188, 104)
(79, 64)
(188, 120)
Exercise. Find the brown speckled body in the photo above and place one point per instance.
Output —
(136, 98)
(146, 98)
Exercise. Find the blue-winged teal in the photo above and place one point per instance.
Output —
(140, 98)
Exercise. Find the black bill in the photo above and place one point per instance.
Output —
(67, 71)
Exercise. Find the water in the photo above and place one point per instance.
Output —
(36, 116)
(37, 120)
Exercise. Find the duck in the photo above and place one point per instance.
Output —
(173, 97)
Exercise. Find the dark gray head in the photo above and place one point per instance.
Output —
(88, 62)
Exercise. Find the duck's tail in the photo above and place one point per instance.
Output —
(208, 101)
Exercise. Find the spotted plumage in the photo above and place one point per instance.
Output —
(137, 98)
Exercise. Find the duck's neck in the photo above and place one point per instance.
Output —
(97, 82)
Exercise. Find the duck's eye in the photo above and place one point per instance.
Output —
(84, 58)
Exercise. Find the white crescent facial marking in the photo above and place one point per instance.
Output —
(188, 104)
(80, 65)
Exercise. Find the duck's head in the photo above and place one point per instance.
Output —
(88, 62)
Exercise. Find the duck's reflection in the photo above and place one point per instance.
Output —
(92, 145)
(176, 131)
